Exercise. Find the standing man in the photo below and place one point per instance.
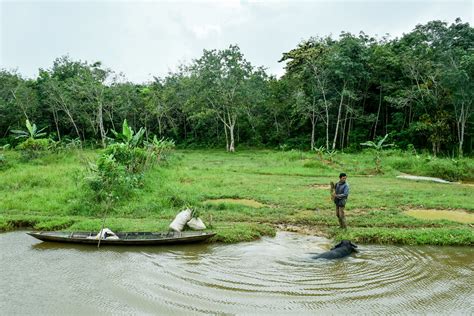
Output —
(340, 198)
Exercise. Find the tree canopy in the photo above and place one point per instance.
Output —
(336, 93)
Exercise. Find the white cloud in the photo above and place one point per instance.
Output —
(206, 30)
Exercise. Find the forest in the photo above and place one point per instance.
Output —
(336, 93)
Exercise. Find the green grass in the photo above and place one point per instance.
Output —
(49, 193)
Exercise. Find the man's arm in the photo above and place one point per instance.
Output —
(345, 193)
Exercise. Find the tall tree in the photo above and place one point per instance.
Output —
(457, 63)
(222, 81)
(308, 64)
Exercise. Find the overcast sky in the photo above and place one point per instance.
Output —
(143, 39)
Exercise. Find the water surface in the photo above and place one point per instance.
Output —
(272, 275)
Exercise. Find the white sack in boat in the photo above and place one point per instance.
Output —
(107, 233)
(196, 224)
(180, 220)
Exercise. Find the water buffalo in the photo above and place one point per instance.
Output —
(342, 249)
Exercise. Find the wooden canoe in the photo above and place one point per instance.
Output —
(125, 238)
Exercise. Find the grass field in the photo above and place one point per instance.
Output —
(251, 193)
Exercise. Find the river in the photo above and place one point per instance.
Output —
(269, 276)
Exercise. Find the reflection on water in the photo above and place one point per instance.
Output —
(273, 275)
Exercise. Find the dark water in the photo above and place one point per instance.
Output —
(270, 276)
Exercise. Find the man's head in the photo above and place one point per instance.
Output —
(342, 177)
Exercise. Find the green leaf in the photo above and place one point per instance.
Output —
(369, 144)
(137, 137)
(31, 128)
(127, 131)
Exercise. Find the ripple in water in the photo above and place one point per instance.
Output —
(278, 275)
(273, 275)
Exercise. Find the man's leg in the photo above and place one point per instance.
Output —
(337, 213)
(341, 216)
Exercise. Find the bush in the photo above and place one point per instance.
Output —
(448, 169)
(158, 149)
(404, 164)
(66, 144)
(110, 180)
(117, 172)
(132, 158)
(33, 148)
(34, 144)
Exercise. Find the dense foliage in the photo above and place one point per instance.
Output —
(335, 94)
(121, 166)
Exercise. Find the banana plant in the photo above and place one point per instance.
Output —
(320, 152)
(31, 132)
(378, 146)
(159, 147)
(128, 136)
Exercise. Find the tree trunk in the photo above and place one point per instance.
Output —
(378, 114)
(338, 118)
(461, 119)
(343, 134)
(326, 104)
(314, 120)
(20, 104)
(56, 122)
(351, 122)
(159, 125)
(109, 113)
(232, 142)
(226, 138)
(64, 107)
(100, 117)
(326, 109)
(73, 122)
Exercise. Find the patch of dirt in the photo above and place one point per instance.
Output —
(319, 186)
(421, 178)
(361, 211)
(454, 215)
(302, 229)
(186, 180)
(246, 202)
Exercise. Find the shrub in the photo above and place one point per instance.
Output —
(133, 159)
(110, 180)
(64, 144)
(34, 144)
(120, 169)
(158, 149)
(404, 164)
(446, 169)
(32, 148)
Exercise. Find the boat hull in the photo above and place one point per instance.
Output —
(125, 238)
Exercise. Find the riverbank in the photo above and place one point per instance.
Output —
(244, 196)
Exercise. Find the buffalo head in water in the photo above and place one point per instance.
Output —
(342, 249)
